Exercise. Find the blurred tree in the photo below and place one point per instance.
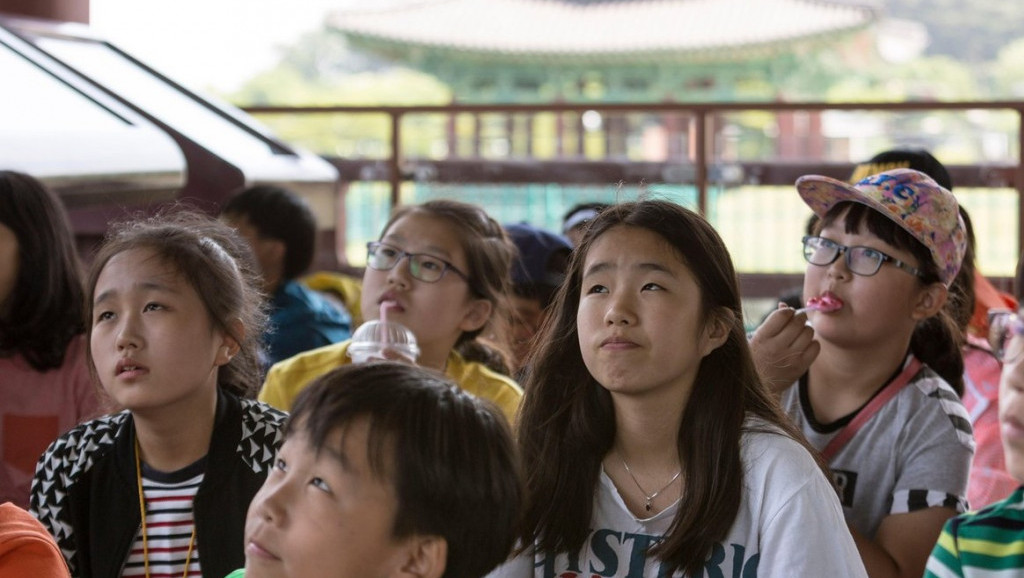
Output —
(925, 78)
(1008, 71)
(324, 54)
(974, 32)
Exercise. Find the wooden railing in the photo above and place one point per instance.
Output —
(396, 168)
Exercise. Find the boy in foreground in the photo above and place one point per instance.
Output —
(387, 470)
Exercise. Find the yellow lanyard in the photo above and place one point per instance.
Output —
(142, 512)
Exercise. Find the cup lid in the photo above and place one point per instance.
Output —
(375, 334)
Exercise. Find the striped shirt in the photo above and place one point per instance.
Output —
(169, 524)
(988, 543)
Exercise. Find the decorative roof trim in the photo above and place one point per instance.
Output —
(687, 30)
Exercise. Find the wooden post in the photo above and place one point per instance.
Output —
(702, 161)
(451, 135)
(60, 10)
(581, 133)
(529, 135)
(394, 163)
(476, 135)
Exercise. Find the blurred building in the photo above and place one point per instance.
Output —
(605, 50)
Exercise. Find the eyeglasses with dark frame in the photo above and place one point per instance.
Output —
(863, 261)
(1004, 327)
(426, 268)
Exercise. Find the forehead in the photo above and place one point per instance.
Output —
(421, 232)
(624, 243)
(355, 444)
(134, 265)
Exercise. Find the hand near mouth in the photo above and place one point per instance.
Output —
(783, 348)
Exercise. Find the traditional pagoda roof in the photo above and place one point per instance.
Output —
(607, 31)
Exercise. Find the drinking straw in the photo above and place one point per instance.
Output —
(385, 335)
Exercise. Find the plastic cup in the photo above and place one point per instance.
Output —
(372, 338)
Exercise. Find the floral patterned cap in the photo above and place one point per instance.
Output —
(911, 199)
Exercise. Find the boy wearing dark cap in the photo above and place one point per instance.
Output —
(536, 275)
(576, 219)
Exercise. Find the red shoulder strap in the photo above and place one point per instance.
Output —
(871, 409)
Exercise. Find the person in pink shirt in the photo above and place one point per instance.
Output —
(989, 480)
(45, 387)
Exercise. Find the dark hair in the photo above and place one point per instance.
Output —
(490, 356)
(448, 455)
(489, 253)
(45, 307)
(214, 261)
(1018, 279)
(280, 214)
(936, 341)
(567, 424)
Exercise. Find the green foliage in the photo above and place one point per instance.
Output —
(973, 32)
(321, 70)
(1008, 71)
(325, 54)
(350, 136)
(926, 78)
(812, 75)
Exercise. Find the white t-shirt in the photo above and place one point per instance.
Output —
(915, 453)
(789, 524)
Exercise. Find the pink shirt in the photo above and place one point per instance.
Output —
(988, 481)
(35, 408)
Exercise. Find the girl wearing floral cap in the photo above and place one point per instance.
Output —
(879, 398)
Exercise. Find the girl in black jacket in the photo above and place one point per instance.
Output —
(162, 487)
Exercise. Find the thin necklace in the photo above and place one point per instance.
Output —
(142, 511)
(648, 498)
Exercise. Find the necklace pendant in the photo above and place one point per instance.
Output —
(647, 506)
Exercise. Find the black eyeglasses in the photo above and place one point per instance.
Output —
(426, 268)
(1004, 326)
(863, 261)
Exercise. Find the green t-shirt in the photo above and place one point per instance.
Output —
(240, 573)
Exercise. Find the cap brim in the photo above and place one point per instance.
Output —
(821, 193)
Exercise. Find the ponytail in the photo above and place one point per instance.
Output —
(938, 342)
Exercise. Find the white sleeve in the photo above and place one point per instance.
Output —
(808, 536)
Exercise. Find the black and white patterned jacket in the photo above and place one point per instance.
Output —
(85, 488)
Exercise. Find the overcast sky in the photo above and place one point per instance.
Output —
(209, 44)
